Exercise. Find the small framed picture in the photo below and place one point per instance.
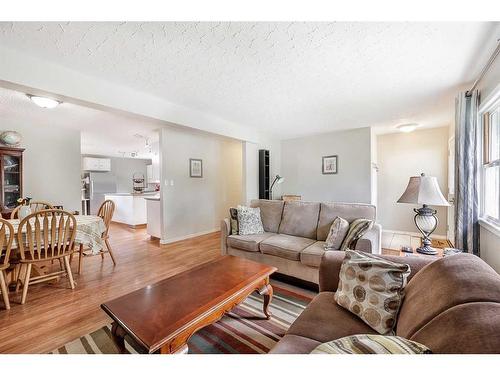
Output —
(195, 168)
(329, 164)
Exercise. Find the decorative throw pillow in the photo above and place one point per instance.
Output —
(372, 288)
(233, 218)
(356, 230)
(249, 221)
(371, 344)
(337, 233)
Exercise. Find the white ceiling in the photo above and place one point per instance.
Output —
(102, 133)
(289, 79)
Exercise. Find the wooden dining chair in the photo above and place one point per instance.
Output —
(44, 236)
(106, 211)
(6, 237)
(35, 206)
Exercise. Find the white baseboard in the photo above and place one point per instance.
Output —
(415, 234)
(188, 236)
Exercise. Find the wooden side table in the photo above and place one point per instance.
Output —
(394, 247)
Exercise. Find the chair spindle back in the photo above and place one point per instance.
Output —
(47, 234)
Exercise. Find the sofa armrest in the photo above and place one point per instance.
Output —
(371, 242)
(225, 230)
(331, 262)
(329, 269)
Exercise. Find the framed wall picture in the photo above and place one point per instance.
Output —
(329, 164)
(195, 168)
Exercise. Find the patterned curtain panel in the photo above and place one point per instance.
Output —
(467, 173)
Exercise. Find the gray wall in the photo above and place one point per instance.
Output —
(193, 206)
(401, 155)
(301, 166)
(51, 162)
(123, 169)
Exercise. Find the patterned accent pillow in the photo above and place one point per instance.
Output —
(356, 230)
(249, 221)
(372, 288)
(371, 344)
(233, 218)
(337, 233)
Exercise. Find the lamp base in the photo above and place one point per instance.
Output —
(427, 250)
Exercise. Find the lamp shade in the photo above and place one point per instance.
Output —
(423, 190)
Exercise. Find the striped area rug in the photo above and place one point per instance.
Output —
(244, 330)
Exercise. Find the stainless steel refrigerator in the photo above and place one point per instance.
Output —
(95, 185)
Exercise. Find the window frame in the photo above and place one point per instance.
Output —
(490, 105)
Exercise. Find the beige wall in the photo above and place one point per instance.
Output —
(197, 205)
(301, 160)
(51, 162)
(400, 156)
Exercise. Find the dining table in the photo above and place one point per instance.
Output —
(89, 230)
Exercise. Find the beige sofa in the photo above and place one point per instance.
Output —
(295, 234)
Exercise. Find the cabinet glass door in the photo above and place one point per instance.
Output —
(11, 180)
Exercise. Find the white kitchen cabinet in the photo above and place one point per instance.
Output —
(96, 164)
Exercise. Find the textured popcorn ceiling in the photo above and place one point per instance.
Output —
(102, 132)
(287, 78)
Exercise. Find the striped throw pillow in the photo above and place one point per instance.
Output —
(371, 344)
(356, 230)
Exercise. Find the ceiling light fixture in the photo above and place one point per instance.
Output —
(407, 128)
(44, 102)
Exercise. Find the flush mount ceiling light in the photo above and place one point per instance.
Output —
(407, 128)
(44, 102)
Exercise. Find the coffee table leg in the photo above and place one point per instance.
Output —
(267, 292)
(118, 337)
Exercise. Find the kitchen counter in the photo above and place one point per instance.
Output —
(130, 208)
(153, 204)
(152, 197)
(145, 194)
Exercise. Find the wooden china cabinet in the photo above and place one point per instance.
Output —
(11, 179)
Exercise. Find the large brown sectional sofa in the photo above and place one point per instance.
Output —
(295, 234)
(452, 305)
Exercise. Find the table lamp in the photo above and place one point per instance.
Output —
(424, 190)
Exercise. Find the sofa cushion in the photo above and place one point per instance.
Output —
(249, 221)
(249, 242)
(357, 229)
(349, 211)
(323, 320)
(300, 219)
(270, 212)
(311, 255)
(372, 288)
(337, 233)
(441, 286)
(285, 246)
(470, 328)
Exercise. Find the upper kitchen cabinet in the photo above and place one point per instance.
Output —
(11, 182)
(96, 164)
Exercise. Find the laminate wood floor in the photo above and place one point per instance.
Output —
(54, 314)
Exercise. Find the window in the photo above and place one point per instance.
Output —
(490, 170)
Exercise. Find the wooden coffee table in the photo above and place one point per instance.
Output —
(163, 316)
